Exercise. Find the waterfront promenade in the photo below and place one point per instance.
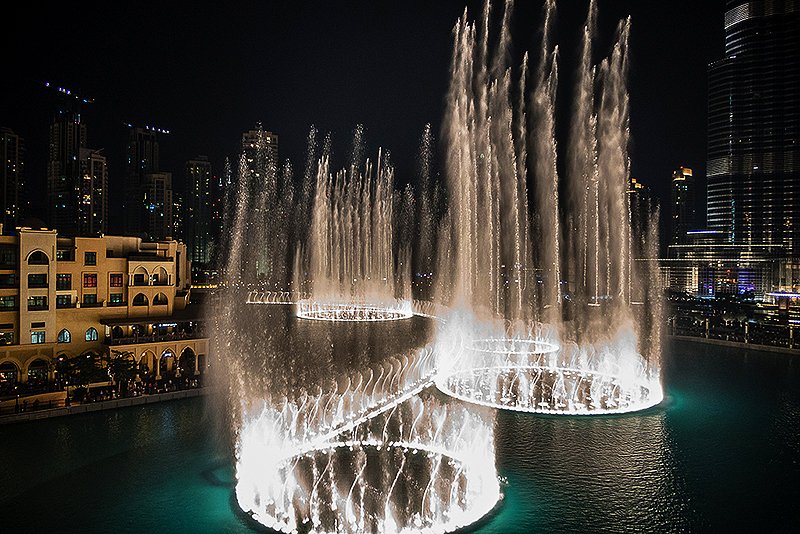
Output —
(60, 409)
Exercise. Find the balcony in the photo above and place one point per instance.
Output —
(175, 336)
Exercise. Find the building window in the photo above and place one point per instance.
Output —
(37, 303)
(140, 300)
(37, 336)
(116, 280)
(160, 300)
(90, 280)
(8, 256)
(91, 334)
(63, 281)
(90, 258)
(65, 255)
(37, 280)
(139, 279)
(6, 338)
(8, 280)
(89, 299)
(63, 301)
(38, 257)
(115, 298)
(8, 302)
(64, 336)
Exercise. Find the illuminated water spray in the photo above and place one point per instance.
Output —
(538, 303)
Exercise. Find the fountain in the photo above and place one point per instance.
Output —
(533, 304)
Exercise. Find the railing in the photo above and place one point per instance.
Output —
(111, 304)
(92, 304)
(133, 340)
(62, 305)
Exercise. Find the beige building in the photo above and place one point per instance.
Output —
(65, 296)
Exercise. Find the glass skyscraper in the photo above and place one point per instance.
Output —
(754, 126)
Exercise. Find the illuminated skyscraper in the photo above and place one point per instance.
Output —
(754, 126)
(682, 208)
(198, 208)
(67, 138)
(158, 205)
(92, 212)
(142, 160)
(12, 151)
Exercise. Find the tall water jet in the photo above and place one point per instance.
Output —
(351, 254)
(509, 287)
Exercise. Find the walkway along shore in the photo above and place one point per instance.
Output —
(737, 344)
(102, 405)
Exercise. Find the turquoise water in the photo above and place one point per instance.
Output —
(721, 454)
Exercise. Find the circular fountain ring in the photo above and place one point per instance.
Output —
(353, 312)
(347, 486)
(530, 388)
(495, 345)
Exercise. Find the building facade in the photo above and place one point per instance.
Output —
(754, 126)
(63, 296)
(683, 217)
(67, 139)
(158, 205)
(93, 193)
(144, 185)
(12, 166)
(198, 208)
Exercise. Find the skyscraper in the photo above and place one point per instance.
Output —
(12, 162)
(260, 151)
(142, 159)
(158, 204)
(199, 210)
(754, 126)
(682, 208)
(93, 193)
(67, 138)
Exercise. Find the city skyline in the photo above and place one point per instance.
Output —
(326, 76)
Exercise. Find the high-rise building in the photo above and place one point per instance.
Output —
(158, 204)
(198, 208)
(12, 164)
(93, 193)
(142, 159)
(67, 138)
(259, 151)
(682, 205)
(643, 206)
(754, 126)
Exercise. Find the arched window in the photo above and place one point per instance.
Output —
(160, 276)
(91, 334)
(140, 300)
(38, 257)
(140, 276)
(160, 299)
(64, 336)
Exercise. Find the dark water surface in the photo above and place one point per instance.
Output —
(721, 454)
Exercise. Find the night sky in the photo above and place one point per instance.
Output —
(209, 74)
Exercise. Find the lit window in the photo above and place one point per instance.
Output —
(91, 334)
(64, 336)
(37, 336)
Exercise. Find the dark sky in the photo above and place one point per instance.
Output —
(208, 74)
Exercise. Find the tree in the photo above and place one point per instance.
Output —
(122, 369)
